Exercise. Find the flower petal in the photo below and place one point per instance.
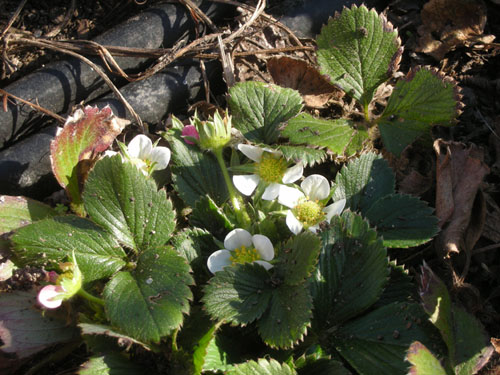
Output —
(109, 153)
(218, 260)
(292, 174)
(293, 224)
(289, 196)
(161, 156)
(316, 187)
(314, 228)
(271, 192)
(236, 238)
(246, 184)
(264, 264)
(334, 209)
(140, 147)
(46, 296)
(252, 152)
(189, 131)
(264, 246)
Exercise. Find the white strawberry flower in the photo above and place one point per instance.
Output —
(307, 206)
(241, 247)
(146, 156)
(270, 167)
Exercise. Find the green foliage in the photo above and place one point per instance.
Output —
(308, 155)
(50, 241)
(423, 361)
(122, 200)
(352, 270)
(110, 364)
(258, 109)
(359, 50)
(340, 136)
(208, 215)
(149, 302)
(376, 343)
(422, 100)
(367, 184)
(262, 367)
(195, 173)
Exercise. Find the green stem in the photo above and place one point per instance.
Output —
(90, 297)
(174, 341)
(367, 113)
(241, 214)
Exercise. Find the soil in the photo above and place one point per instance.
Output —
(470, 57)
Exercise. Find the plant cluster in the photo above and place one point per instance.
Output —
(274, 269)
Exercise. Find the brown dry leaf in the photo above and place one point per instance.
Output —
(460, 209)
(299, 75)
(455, 22)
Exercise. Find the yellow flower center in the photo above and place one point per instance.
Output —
(271, 168)
(309, 213)
(243, 255)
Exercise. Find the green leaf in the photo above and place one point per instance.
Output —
(16, 212)
(289, 314)
(363, 181)
(191, 242)
(195, 174)
(471, 343)
(121, 199)
(322, 366)
(402, 220)
(359, 50)
(24, 331)
(90, 329)
(376, 343)
(400, 287)
(262, 367)
(239, 294)
(259, 108)
(110, 364)
(222, 352)
(423, 361)
(336, 135)
(298, 258)
(352, 271)
(207, 215)
(50, 241)
(148, 303)
(417, 103)
(309, 156)
(200, 351)
(86, 133)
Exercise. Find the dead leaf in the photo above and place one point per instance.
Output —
(447, 24)
(299, 75)
(459, 173)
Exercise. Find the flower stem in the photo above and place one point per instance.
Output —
(241, 214)
(367, 113)
(90, 297)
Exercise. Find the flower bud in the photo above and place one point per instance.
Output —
(215, 133)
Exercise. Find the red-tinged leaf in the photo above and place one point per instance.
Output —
(86, 133)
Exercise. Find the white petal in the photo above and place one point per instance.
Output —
(46, 296)
(264, 246)
(161, 156)
(293, 224)
(293, 173)
(316, 187)
(271, 192)
(264, 264)
(289, 196)
(140, 147)
(218, 260)
(236, 238)
(109, 153)
(252, 152)
(246, 184)
(314, 228)
(334, 209)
